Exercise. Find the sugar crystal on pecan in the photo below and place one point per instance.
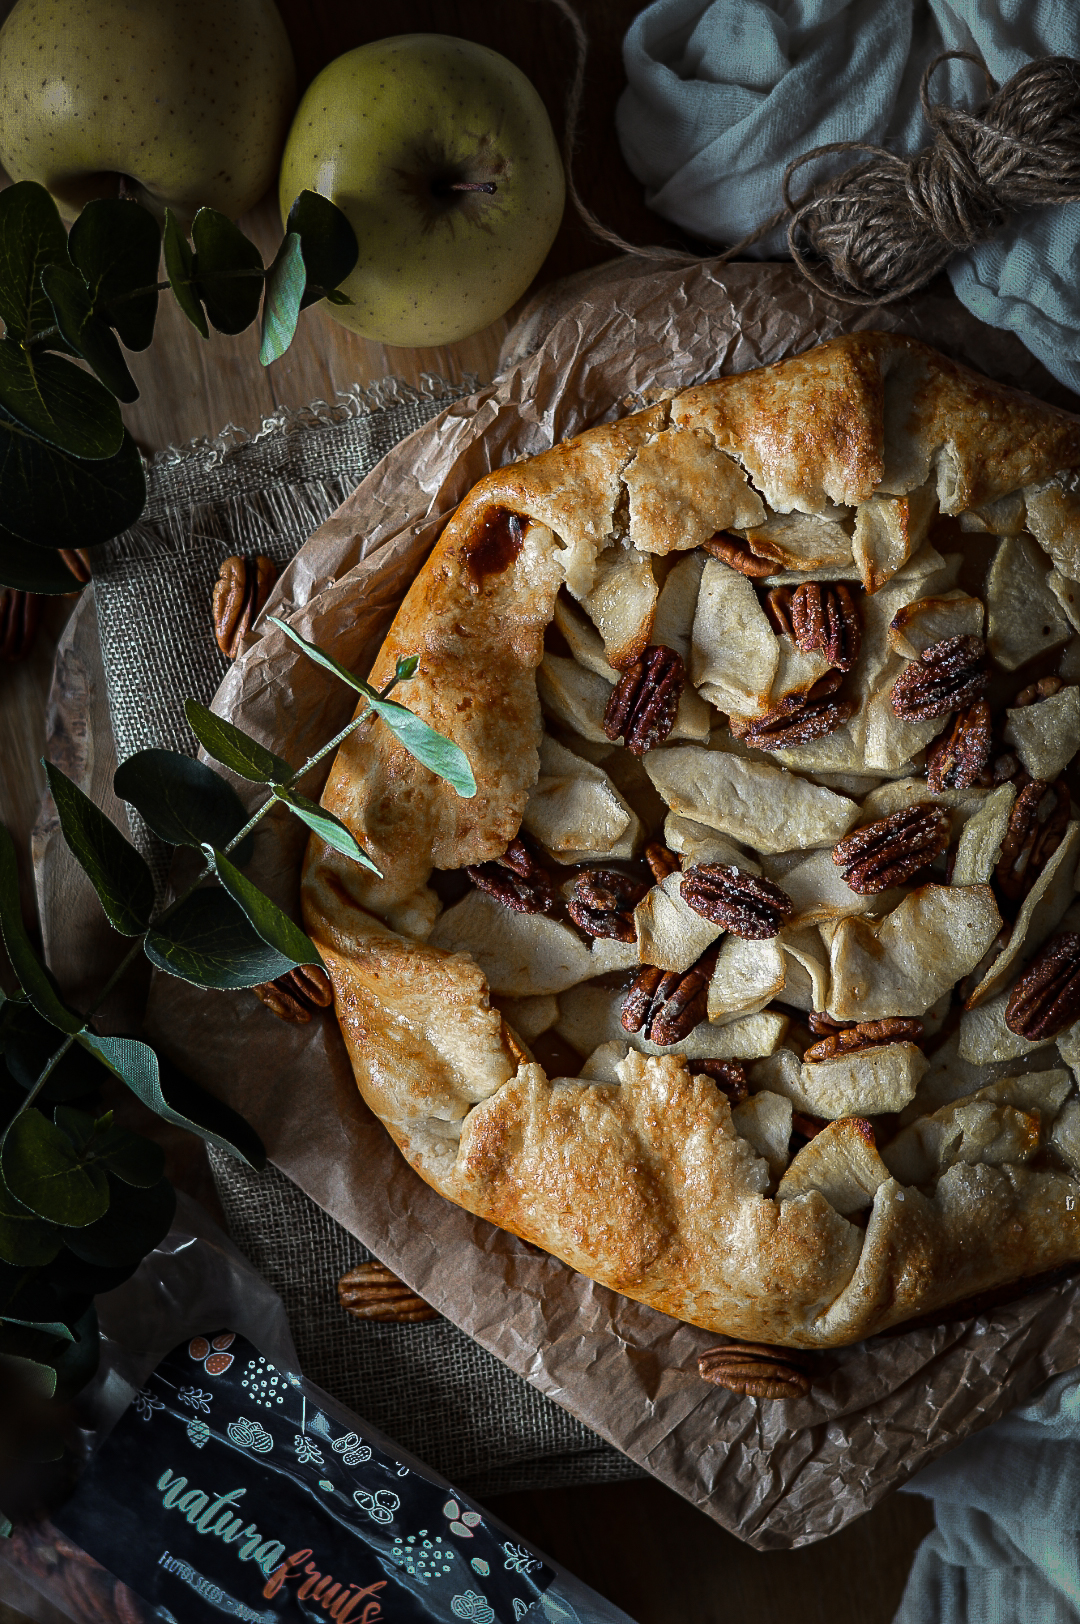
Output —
(946, 676)
(645, 699)
(1046, 999)
(517, 880)
(866, 1035)
(798, 718)
(1037, 823)
(958, 757)
(742, 903)
(603, 903)
(666, 1005)
(890, 851)
(825, 619)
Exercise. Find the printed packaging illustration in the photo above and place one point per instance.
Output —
(223, 1492)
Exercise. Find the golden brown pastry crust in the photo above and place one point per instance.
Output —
(647, 1187)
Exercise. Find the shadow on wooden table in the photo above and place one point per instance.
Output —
(663, 1562)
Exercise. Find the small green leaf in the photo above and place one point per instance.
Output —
(33, 569)
(183, 800)
(131, 1157)
(50, 497)
(180, 269)
(228, 271)
(43, 1170)
(116, 245)
(77, 1363)
(441, 755)
(118, 873)
(33, 978)
(320, 657)
(59, 402)
(54, 1328)
(235, 749)
(275, 927)
(87, 333)
(31, 236)
(329, 245)
(327, 827)
(137, 1220)
(336, 297)
(176, 1099)
(406, 667)
(25, 1239)
(206, 939)
(29, 1043)
(281, 305)
(40, 1378)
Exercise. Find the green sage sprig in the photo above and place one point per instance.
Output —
(70, 473)
(82, 1200)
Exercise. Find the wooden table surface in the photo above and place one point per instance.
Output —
(638, 1543)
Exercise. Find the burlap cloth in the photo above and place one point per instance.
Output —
(429, 1386)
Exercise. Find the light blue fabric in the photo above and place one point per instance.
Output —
(1006, 1549)
(722, 96)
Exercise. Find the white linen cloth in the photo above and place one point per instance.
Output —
(723, 94)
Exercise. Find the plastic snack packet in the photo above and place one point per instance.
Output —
(221, 1484)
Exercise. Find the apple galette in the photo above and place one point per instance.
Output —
(749, 981)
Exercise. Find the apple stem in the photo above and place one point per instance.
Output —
(465, 186)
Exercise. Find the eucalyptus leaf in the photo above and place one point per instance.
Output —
(40, 1378)
(329, 245)
(36, 1295)
(77, 1363)
(130, 1156)
(59, 402)
(176, 1098)
(273, 925)
(43, 1170)
(320, 657)
(118, 873)
(29, 1044)
(33, 978)
(87, 333)
(116, 244)
(206, 939)
(180, 269)
(56, 1328)
(34, 569)
(183, 800)
(32, 236)
(327, 827)
(235, 749)
(26, 1240)
(134, 1224)
(228, 271)
(51, 497)
(281, 304)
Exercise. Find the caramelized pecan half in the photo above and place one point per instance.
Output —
(891, 850)
(644, 700)
(743, 904)
(661, 861)
(240, 593)
(755, 1370)
(603, 903)
(825, 618)
(296, 995)
(517, 880)
(664, 1005)
(1037, 823)
(1045, 688)
(728, 1075)
(732, 550)
(798, 718)
(867, 1035)
(1046, 999)
(958, 757)
(945, 677)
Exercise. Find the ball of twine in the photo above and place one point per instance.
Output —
(889, 225)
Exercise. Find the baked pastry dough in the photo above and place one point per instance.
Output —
(829, 1198)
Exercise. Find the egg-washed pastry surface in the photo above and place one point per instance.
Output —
(749, 981)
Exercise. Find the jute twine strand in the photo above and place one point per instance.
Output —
(886, 227)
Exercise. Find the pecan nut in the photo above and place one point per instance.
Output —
(661, 861)
(743, 904)
(728, 1075)
(295, 996)
(517, 880)
(372, 1292)
(240, 593)
(1037, 824)
(958, 757)
(1045, 688)
(77, 560)
(891, 850)
(664, 1005)
(20, 615)
(798, 718)
(644, 700)
(946, 677)
(867, 1035)
(1046, 999)
(736, 553)
(825, 619)
(755, 1370)
(603, 903)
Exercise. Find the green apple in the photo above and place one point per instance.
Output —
(189, 100)
(442, 156)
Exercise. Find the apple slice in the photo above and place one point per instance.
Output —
(622, 602)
